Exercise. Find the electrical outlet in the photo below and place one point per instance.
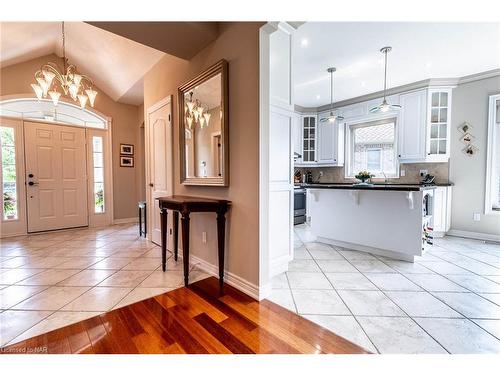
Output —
(403, 173)
(477, 217)
(204, 237)
(320, 173)
(423, 172)
(170, 231)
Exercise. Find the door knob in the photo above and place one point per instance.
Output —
(31, 175)
(31, 183)
(151, 184)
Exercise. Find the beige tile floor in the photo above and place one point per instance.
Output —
(448, 301)
(51, 280)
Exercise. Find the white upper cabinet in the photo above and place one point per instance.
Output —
(309, 139)
(321, 143)
(411, 128)
(297, 137)
(438, 125)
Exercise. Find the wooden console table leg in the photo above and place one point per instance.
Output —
(185, 245)
(221, 236)
(163, 224)
(176, 234)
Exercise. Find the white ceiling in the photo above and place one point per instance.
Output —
(420, 51)
(104, 56)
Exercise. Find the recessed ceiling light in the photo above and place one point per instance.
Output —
(318, 96)
(304, 42)
(363, 83)
(428, 64)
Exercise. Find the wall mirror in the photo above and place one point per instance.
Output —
(203, 128)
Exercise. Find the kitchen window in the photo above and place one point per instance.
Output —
(372, 148)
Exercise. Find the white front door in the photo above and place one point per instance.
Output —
(160, 161)
(56, 176)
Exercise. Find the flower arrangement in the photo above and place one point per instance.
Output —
(363, 176)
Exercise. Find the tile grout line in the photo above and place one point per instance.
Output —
(345, 304)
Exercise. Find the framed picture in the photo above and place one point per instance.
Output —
(126, 149)
(126, 161)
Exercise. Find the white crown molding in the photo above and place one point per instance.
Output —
(432, 82)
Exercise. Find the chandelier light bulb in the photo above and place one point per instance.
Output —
(38, 90)
(49, 76)
(200, 111)
(190, 107)
(44, 85)
(196, 115)
(54, 96)
(189, 122)
(207, 116)
(77, 78)
(73, 91)
(91, 93)
(83, 100)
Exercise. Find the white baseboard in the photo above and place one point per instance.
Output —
(236, 281)
(474, 235)
(128, 220)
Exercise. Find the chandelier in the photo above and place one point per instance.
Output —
(54, 82)
(196, 112)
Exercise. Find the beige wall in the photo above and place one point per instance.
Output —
(470, 103)
(238, 43)
(16, 79)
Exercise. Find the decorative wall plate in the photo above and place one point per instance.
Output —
(465, 127)
(467, 138)
(470, 150)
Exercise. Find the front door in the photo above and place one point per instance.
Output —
(56, 176)
(160, 161)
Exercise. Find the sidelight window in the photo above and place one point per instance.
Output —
(9, 173)
(98, 173)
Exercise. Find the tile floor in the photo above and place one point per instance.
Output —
(55, 279)
(448, 301)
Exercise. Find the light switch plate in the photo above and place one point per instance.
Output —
(477, 217)
(403, 173)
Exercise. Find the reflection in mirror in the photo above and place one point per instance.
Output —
(202, 121)
(204, 127)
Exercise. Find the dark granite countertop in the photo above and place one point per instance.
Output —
(377, 186)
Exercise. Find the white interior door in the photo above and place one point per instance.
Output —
(56, 176)
(160, 161)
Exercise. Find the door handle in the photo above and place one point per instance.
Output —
(151, 184)
(31, 183)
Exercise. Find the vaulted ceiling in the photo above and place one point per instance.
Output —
(116, 60)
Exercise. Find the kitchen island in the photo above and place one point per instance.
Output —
(392, 220)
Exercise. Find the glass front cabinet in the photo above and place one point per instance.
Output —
(438, 124)
(309, 139)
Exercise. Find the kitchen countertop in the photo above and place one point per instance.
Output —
(376, 186)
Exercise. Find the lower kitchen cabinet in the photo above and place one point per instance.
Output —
(442, 210)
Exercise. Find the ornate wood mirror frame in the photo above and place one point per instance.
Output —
(196, 166)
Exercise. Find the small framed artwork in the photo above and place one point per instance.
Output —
(465, 127)
(126, 161)
(470, 150)
(126, 149)
(467, 138)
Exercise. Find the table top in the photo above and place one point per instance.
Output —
(186, 199)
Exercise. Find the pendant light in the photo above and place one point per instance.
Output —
(384, 106)
(331, 117)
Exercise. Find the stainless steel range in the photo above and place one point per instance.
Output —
(299, 206)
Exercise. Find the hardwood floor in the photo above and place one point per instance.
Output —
(191, 320)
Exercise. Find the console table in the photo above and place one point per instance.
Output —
(185, 205)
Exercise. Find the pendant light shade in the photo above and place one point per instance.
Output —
(331, 116)
(384, 106)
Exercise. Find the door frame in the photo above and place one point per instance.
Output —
(94, 219)
(170, 179)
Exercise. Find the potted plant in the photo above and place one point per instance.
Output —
(9, 206)
(364, 176)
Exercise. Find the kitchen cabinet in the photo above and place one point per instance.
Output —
(412, 126)
(438, 124)
(319, 143)
(424, 126)
(297, 137)
(442, 210)
(309, 139)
